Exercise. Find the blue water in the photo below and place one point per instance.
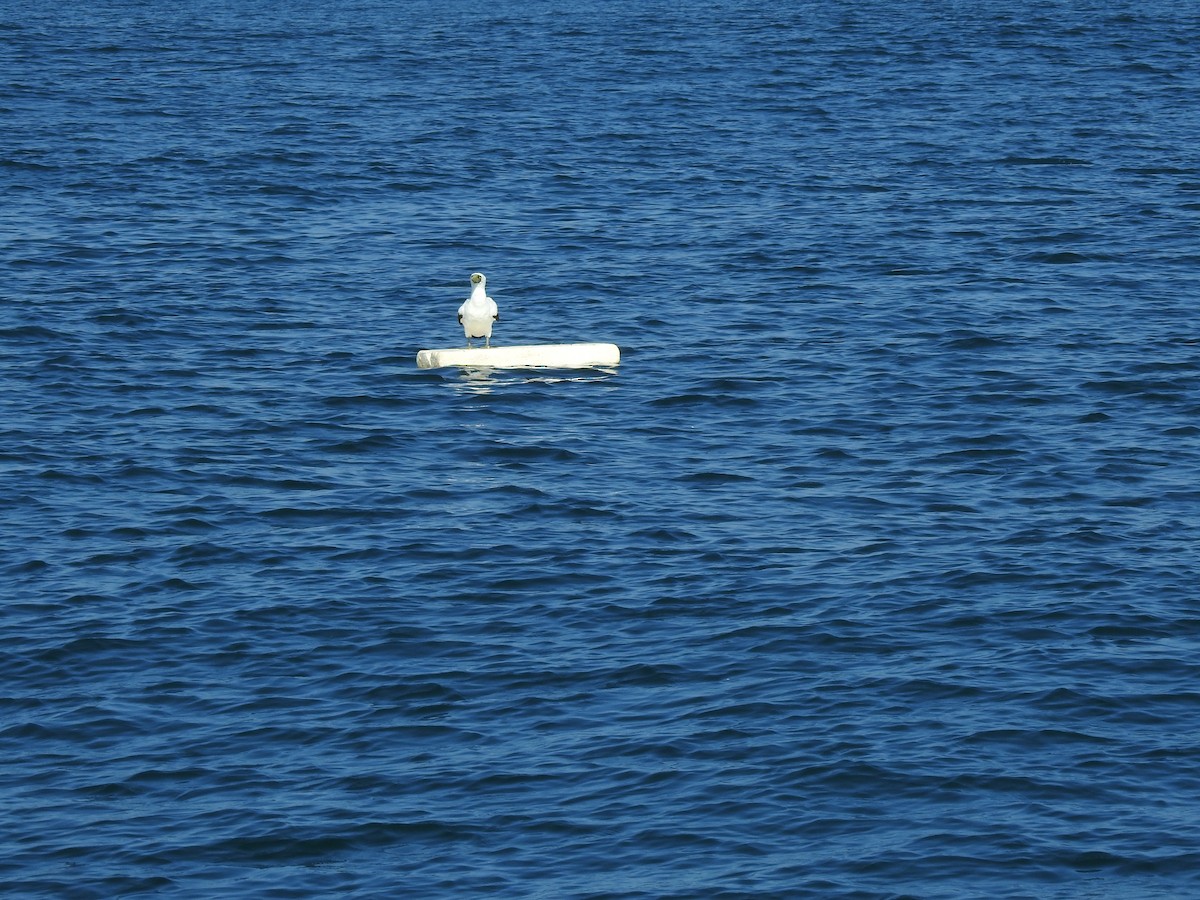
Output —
(870, 572)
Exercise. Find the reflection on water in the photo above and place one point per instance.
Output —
(484, 380)
(475, 381)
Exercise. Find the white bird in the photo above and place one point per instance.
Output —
(478, 313)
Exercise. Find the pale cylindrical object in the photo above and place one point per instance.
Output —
(529, 356)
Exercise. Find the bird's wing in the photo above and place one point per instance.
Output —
(494, 309)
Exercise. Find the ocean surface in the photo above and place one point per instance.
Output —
(871, 571)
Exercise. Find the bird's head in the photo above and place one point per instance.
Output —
(477, 278)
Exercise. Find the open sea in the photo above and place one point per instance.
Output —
(872, 571)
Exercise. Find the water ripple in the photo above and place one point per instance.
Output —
(869, 571)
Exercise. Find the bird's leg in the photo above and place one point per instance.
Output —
(488, 342)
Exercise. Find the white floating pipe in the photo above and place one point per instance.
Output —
(529, 356)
